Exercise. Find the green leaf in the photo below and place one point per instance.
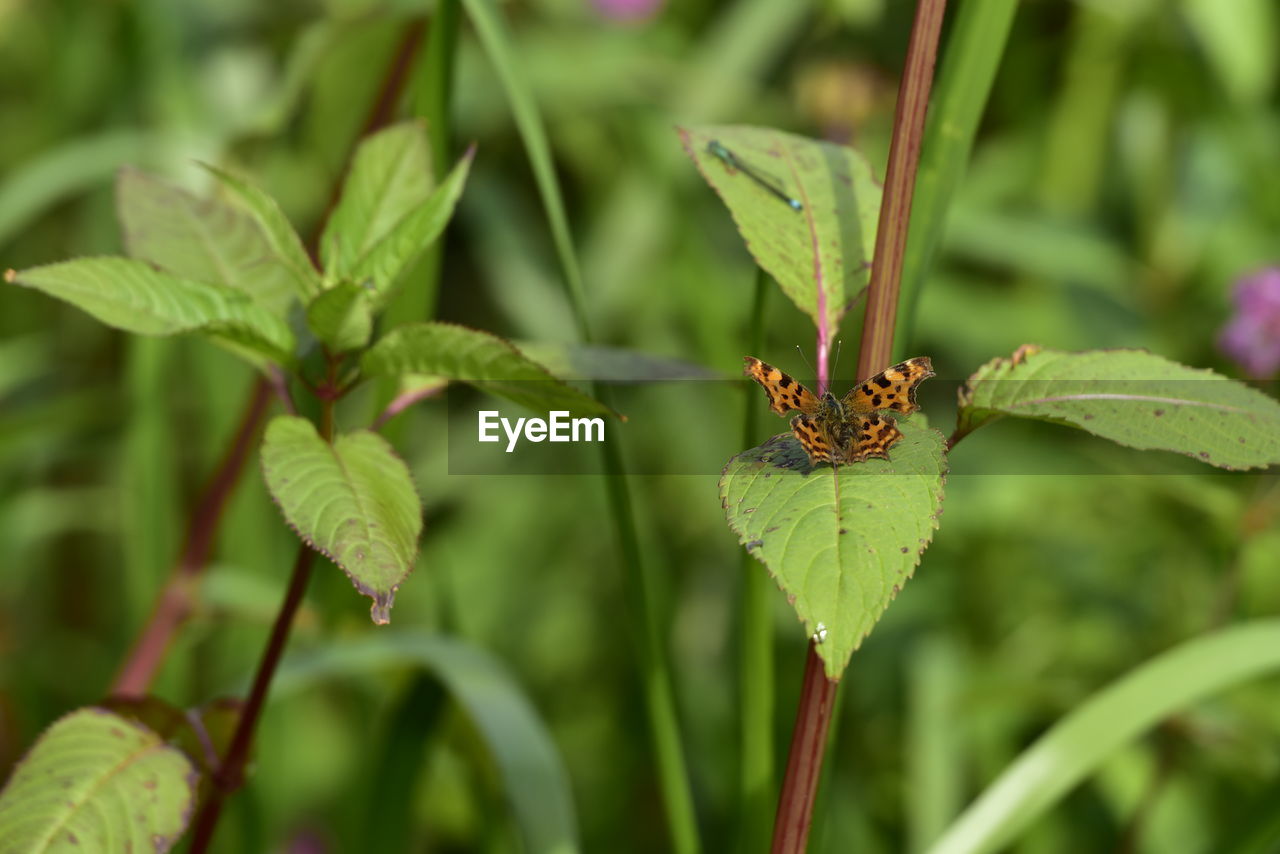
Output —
(1096, 730)
(341, 317)
(133, 296)
(353, 501)
(417, 229)
(202, 239)
(478, 358)
(819, 255)
(95, 781)
(1131, 397)
(533, 775)
(840, 545)
(390, 175)
(287, 251)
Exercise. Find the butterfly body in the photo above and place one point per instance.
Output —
(849, 429)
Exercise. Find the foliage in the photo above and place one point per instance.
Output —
(97, 780)
(1095, 181)
(353, 501)
(841, 546)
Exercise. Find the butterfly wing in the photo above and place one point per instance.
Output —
(894, 388)
(813, 439)
(785, 394)
(873, 437)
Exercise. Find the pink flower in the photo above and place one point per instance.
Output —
(625, 11)
(1252, 336)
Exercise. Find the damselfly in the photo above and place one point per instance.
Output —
(716, 149)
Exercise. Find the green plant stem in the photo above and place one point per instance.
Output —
(664, 726)
(817, 692)
(975, 45)
(437, 82)
(755, 662)
(655, 668)
(497, 43)
(230, 773)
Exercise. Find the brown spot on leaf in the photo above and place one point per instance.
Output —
(905, 549)
(1159, 412)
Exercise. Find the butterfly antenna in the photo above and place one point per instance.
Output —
(813, 373)
(836, 362)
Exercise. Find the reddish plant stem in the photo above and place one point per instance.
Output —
(900, 181)
(175, 603)
(804, 761)
(403, 401)
(817, 692)
(382, 111)
(823, 348)
(230, 773)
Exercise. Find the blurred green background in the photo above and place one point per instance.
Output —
(1125, 176)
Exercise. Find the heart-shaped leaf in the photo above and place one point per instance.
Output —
(840, 544)
(133, 296)
(478, 358)
(1131, 397)
(206, 240)
(95, 781)
(820, 254)
(353, 501)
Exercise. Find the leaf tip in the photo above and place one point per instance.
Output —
(11, 275)
(380, 611)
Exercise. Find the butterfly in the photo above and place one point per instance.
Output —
(849, 429)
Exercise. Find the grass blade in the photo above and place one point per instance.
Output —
(974, 49)
(1111, 719)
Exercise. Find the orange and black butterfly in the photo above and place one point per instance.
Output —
(849, 429)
